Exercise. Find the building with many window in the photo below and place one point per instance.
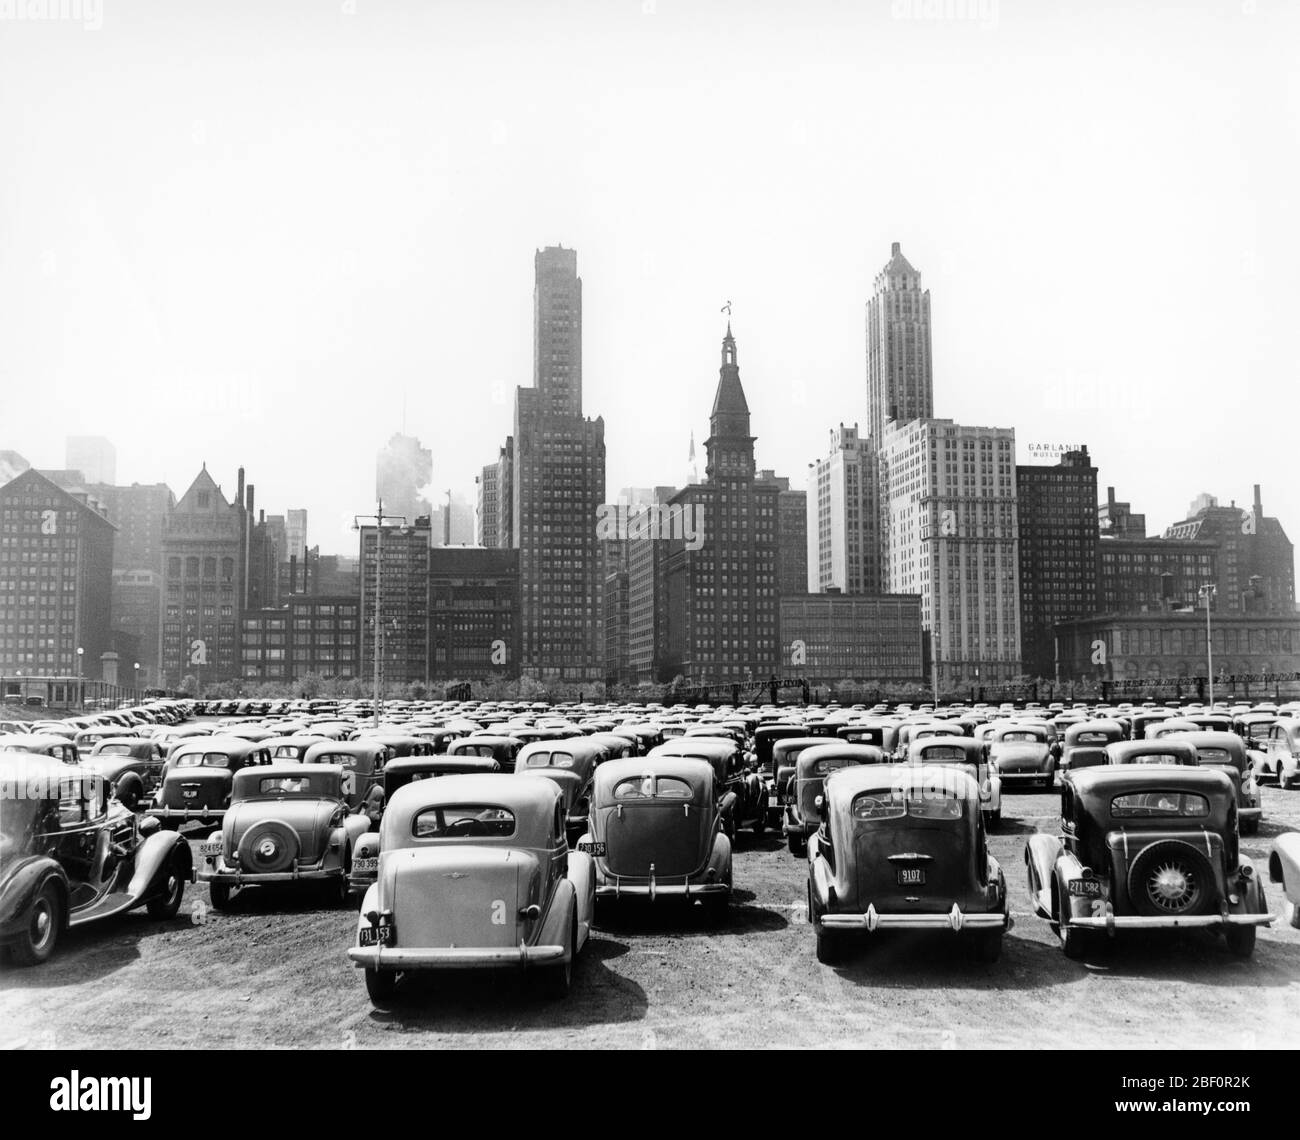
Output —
(900, 373)
(474, 613)
(791, 534)
(399, 558)
(325, 635)
(1151, 575)
(830, 637)
(843, 521)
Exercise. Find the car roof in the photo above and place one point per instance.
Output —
(846, 783)
(577, 746)
(532, 801)
(284, 771)
(1121, 750)
(1111, 780)
(228, 744)
(400, 764)
(1206, 738)
(859, 753)
(697, 773)
(364, 746)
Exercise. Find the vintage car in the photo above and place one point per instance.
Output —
(1021, 755)
(967, 753)
(198, 777)
(1227, 752)
(1085, 743)
(571, 763)
(1169, 726)
(1168, 750)
(744, 794)
(130, 765)
(48, 744)
(812, 767)
(503, 749)
(69, 854)
(292, 747)
(1148, 848)
(1253, 728)
(1284, 870)
(657, 831)
(785, 757)
(363, 760)
(903, 847)
(287, 823)
(765, 739)
(1280, 757)
(399, 772)
(615, 744)
(475, 871)
(882, 733)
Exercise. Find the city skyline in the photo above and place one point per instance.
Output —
(377, 263)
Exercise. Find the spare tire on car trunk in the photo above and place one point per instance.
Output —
(1172, 879)
(269, 846)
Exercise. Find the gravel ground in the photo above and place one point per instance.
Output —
(273, 974)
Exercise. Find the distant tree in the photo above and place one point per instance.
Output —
(190, 685)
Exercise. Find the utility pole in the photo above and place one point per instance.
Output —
(378, 520)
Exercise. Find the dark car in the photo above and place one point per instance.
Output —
(1022, 755)
(198, 778)
(293, 746)
(1085, 743)
(744, 795)
(1148, 848)
(69, 855)
(287, 823)
(657, 832)
(903, 848)
(785, 758)
(362, 761)
(132, 768)
(812, 768)
(1171, 750)
(42, 744)
(1226, 751)
(502, 749)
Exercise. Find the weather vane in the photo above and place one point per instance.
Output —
(726, 309)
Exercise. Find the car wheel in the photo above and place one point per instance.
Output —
(36, 942)
(1241, 940)
(760, 822)
(166, 904)
(1171, 879)
(381, 985)
(797, 843)
(1249, 827)
(559, 978)
(830, 946)
(988, 946)
(220, 895)
(995, 818)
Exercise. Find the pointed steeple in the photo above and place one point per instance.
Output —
(730, 447)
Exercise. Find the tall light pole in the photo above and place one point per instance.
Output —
(1207, 592)
(81, 678)
(378, 520)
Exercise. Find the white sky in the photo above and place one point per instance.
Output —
(246, 232)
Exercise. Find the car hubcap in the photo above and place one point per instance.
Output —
(41, 925)
(266, 849)
(1172, 887)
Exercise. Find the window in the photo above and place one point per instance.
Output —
(203, 760)
(463, 821)
(1145, 805)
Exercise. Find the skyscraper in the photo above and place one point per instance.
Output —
(844, 517)
(403, 569)
(900, 376)
(557, 487)
(791, 534)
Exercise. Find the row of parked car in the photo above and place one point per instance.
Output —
(463, 858)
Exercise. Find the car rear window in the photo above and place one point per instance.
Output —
(919, 803)
(461, 821)
(1020, 736)
(1158, 758)
(284, 785)
(823, 767)
(944, 752)
(289, 751)
(115, 750)
(1092, 738)
(1148, 805)
(650, 787)
(343, 759)
(475, 750)
(203, 760)
(1214, 755)
(550, 760)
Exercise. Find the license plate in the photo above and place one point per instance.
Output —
(592, 847)
(911, 876)
(191, 795)
(376, 935)
(365, 866)
(210, 849)
(1088, 888)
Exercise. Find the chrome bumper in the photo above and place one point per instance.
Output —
(185, 813)
(653, 890)
(1250, 813)
(1159, 922)
(410, 958)
(954, 920)
(240, 878)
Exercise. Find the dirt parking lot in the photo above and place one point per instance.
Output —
(273, 974)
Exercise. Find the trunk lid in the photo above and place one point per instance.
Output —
(461, 896)
(670, 835)
(888, 850)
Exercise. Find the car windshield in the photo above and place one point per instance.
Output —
(919, 803)
(203, 760)
(115, 750)
(460, 820)
(550, 760)
(1155, 804)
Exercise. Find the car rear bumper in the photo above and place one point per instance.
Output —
(239, 879)
(1027, 777)
(645, 890)
(186, 813)
(1160, 922)
(1250, 813)
(411, 958)
(955, 920)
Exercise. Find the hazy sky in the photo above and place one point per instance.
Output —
(249, 233)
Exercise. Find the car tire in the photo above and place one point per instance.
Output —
(381, 986)
(1249, 827)
(166, 905)
(38, 938)
(761, 822)
(559, 978)
(797, 844)
(1241, 940)
(830, 946)
(129, 791)
(995, 818)
(281, 837)
(1171, 879)
(988, 946)
(219, 894)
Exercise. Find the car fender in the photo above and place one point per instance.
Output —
(820, 878)
(720, 857)
(369, 903)
(366, 846)
(153, 856)
(552, 931)
(1250, 893)
(1284, 865)
(995, 792)
(22, 884)
(1041, 855)
(1068, 867)
(582, 874)
(354, 827)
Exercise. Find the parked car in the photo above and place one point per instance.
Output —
(1226, 751)
(812, 767)
(287, 823)
(785, 758)
(1021, 755)
(399, 772)
(503, 749)
(292, 747)
(903, 848)
(1281, 755)
(657, 831)
(69, 855)
(1145, 847)
(42, 744)
(1159, 750)
(744, 795)
(198, 778)
(571, 763)
(363, 760)
(966, 753)
(1085, 743)
(475, 872)
(1284, 870)
(131, 766)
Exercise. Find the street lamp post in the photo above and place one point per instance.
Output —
(378, 648)
(81, 678)
(1207, 592)
(136, 682)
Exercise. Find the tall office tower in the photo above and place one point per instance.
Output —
(266, 551)
(403, 471)
(204, 563)
(403, 573)
(1256, 560)
(140, 513)
(948, 518)
(723, 614)
(647, 589)
(557, 487)
(900, 376)
(791, 534)
(1057, 518)
(487, 525)
(56, 577)
(474, 613)
(94, 456)
(844, 517)
(295, 534)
